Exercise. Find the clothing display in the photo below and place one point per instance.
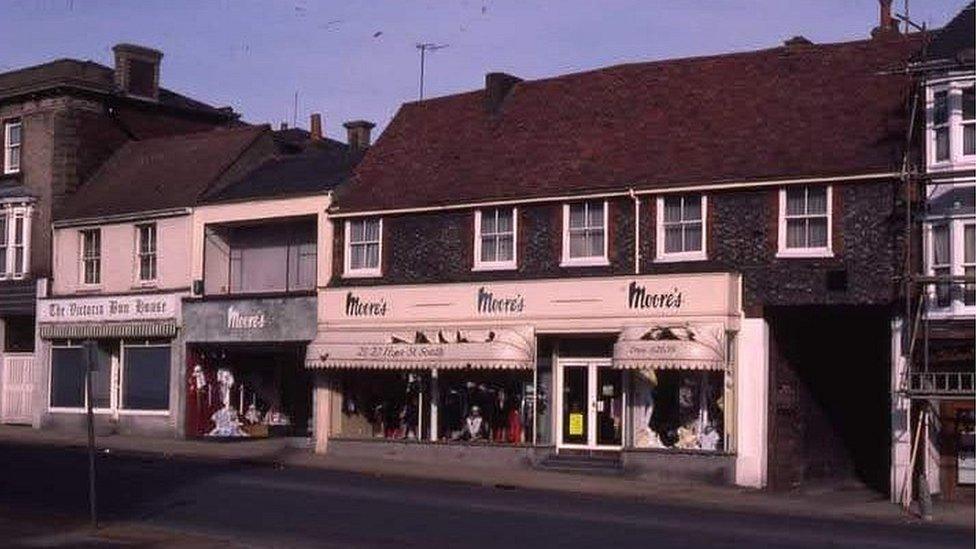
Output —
(678, 409)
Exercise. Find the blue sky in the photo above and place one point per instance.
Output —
(352, 59)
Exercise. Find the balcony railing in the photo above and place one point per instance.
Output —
(941, 384)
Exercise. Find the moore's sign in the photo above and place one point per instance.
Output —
(110, 308)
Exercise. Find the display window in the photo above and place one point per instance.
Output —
(130, 376)
(486, 406)
(247, 391)
(387, 404)
(678, 409)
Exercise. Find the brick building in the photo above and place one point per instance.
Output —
(681, 267)
(58, 122)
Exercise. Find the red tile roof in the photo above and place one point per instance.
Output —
(797, 111)
(160, 173)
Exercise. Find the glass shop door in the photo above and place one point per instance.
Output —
(591, 405)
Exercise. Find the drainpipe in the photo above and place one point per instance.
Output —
(637, 256)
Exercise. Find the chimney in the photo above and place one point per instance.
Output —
(358, 133)
(137, 70)
(887, 25)
(497, 86)
(315, 126)
(283, 126)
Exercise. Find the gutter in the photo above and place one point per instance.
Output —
(339, 214)
(637, 234)
(121, 218)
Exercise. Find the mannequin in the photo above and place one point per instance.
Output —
(475, 427)
(226, 421)
(644, 435)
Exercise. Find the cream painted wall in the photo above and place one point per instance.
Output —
(752, 386)
(119, 263)
(255, 210)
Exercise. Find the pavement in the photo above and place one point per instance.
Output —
(246, 466)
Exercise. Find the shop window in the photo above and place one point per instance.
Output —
(91, 256)
(681, 227)
(485, 406)
(67, 377)
(585, 233)
(678, 409)
(364, 247)
(12, 146)
(804, 221)
(146, 251)
(146, 377)
(495, 234)
(392, 405)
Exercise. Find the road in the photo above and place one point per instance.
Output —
(264, 505)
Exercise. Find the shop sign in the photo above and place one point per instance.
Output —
(400, 351)
(250, 320)
(236, 320)
(651, 296)
(109, 309)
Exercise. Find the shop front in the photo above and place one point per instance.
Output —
(514, 372)
(134, 384)
(244, 373)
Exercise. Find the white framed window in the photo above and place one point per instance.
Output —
(681, 233)
(585, 233)
(363, 248)
(951, 251)
(146, 252)
(951, 123)
(15, 224)
(13, 141)
(91, 256)
(495, 231)
(805, 221)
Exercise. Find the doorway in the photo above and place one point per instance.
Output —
(591, 404)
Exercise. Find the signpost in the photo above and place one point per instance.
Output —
(91, 363)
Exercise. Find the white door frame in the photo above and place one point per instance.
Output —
(592, 365)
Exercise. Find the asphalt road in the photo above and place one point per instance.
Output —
(262, 505)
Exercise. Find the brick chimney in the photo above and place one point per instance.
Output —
(315, 127)
(358, 134)
(137, 70)
(497, 86)
(887, 25)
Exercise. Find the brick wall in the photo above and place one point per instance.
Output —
(742, 232)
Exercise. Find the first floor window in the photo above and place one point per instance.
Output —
(14, 238)
(91, 256)
(969, 263)
(942, 263)
(363, 246)
(12, 145)
(146, 251)
(805, 220)
(681, 226)
(495, 238)
(585, 232)
(969, 120)
(940, 124)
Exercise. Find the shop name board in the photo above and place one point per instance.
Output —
(356, 306)
(489, 304)
(639, 298)
(236, 320)
(108, 308)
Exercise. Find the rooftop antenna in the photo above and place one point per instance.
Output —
(424, 47)
(294, 112)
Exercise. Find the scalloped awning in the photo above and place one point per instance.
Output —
(423, 349)
(671, 347)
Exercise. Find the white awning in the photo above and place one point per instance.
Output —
(422, 349)
(671, 347)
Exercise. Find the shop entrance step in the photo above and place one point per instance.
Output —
(586, 463)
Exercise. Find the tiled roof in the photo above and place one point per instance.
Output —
(957, 37)
(792, 111)
(304, 167)
(91, 77)
(161, 173)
